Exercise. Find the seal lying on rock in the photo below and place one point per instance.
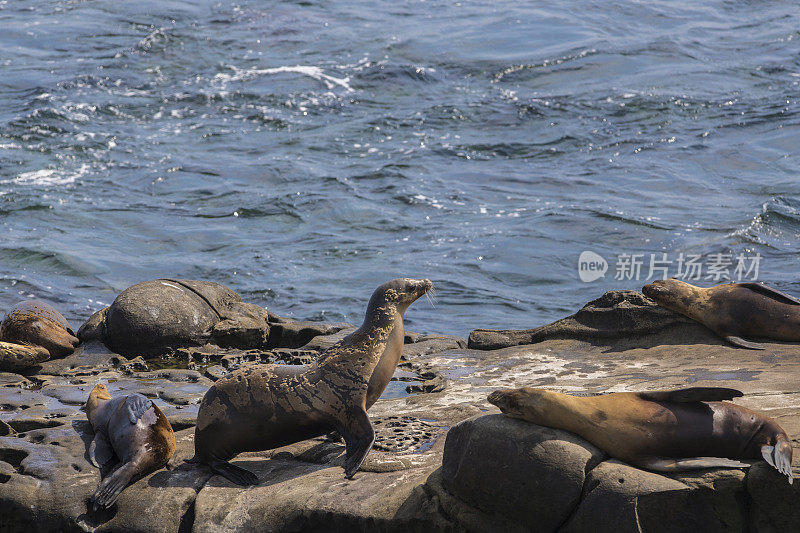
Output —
(155, 316)
(732, 310)
(267, 406)
(32, 332)
(128, 428)
(683, 429)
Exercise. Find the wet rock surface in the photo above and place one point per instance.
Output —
(439, 462)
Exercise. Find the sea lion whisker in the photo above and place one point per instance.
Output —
(430, 299)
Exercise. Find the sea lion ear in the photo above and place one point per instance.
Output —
(772, 293)
(692, 394)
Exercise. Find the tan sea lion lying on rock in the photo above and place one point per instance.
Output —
(31, 333)
(131, 431)
(665, 431)
(262, 407)
(732, 310)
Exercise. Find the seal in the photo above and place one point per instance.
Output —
(664, 431)
(132, 436)
(262, 407)
(732, 310)
(32, 332)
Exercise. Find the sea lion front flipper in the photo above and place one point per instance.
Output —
(779, 457)
(738, 341)
(238, 475)
(671, 464)
(359, 436)
(692, 394)
(137, 405)
(772, 293)
(100, 451)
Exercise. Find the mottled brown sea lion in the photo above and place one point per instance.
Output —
(732, 310)
(665, 431)
(131, 431)
(267, 406)
(33, 331)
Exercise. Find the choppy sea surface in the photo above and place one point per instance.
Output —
(304, 152)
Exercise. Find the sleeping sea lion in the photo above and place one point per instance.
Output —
(131, 431)
(32, 332)
(665, 431)
(261, 407)
(732, 310)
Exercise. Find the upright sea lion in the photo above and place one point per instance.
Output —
(33, 331)
(732, 310)
(129, 430)
(266, 406)
(683, 429)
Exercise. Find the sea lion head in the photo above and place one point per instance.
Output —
(527, 402)
(400, 293)
(670, 293)
(99, 392)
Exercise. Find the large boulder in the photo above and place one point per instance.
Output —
(155, 317)
(516, 472)
(619, 498)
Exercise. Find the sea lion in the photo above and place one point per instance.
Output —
(665, 431)
(130, 431)
(732, 310)
(32, 332)
(267, 406)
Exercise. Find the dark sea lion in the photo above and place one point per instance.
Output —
(130, 431)
(33, 331)
(267, 406)
(665, 431)
(732, 310)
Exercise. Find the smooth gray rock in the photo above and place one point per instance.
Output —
(155, 317)
(620, 498)
(512, 469)
(775, 503)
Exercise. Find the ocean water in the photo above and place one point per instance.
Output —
(304, 152)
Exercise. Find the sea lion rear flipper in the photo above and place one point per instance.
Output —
(779, 457)
(772, 293)
(111, 487)
(738, 341)
(238, 475)
(137, 405)
(359, 436)
(100, 451)
(692, 394)
(670, 464)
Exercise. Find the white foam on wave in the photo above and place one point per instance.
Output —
(306, 70)
(48, 176)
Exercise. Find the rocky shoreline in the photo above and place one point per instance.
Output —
(444, 458)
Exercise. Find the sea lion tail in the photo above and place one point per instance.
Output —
(111, 487)
(779, 457)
